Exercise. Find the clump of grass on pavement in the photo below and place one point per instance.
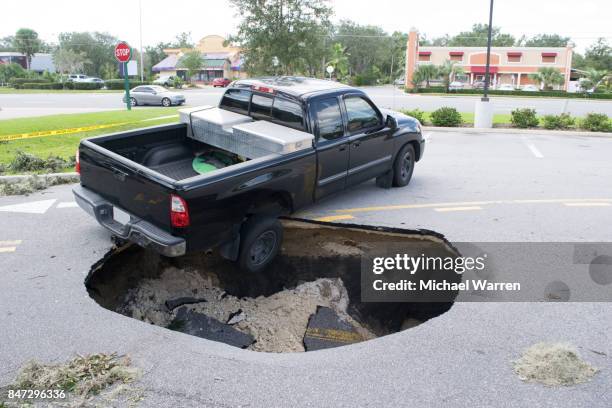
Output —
(553, 364)
(82, 378)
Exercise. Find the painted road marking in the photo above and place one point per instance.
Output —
(33, 207)
(67, 204)
(159, 118)
(449, 209)
(534, 150)
(335, 218)
(9, 246)
(587, 204)
(469, 204)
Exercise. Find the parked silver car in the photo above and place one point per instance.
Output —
(154, 95)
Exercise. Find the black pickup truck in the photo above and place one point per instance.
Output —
(143, 186)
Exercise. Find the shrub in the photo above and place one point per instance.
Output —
(42, 85)
(415, 113)
(524, 118)
(596, 122)
(86, 85)
(177, 83)
(18, 83)
(446, 117)
(119, 84)
(562, 121)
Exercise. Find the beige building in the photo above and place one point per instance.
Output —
(219, 61)
(509, 65)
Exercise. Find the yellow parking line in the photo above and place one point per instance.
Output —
(587, 204)
(8, 249)
(448, 209)
(335, 218)
(411, 206)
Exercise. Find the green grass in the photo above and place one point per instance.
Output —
(468, 118)
(5, 90)
(66, 145)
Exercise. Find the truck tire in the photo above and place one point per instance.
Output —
(403, 166)
(260, 241)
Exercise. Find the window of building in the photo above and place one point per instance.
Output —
(514, 56)
(424, 56)
(328, 119)
(549, 57)
(456, 56)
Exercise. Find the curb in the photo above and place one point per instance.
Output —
(52, 177)
(516, 131)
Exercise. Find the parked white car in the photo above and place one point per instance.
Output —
(76, 78)
(455, 85)
(506, 87)
(530, 88)
(164, 80)
(93, 80)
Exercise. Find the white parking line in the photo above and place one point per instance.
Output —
(14, 242)
(448, 209)
(9, 246)
(8, 249)
(534, 150)
(67, 204)
(587, 204)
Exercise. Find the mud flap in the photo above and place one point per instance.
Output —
(385, 180)
(231, 249)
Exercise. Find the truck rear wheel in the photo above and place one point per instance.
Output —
(260, 241)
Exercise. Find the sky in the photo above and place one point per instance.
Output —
(584, 21)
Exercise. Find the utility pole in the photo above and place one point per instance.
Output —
(140, 26)
(483, 115)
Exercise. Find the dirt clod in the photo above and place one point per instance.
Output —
(553, 364)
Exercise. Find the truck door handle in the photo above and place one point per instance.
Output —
(342, 147)
(357, 143)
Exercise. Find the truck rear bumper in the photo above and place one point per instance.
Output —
(135, 230)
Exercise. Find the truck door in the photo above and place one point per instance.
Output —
(332, 146)
(370, 141)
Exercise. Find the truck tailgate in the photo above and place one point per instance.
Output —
(126, 184)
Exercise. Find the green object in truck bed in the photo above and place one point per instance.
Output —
(211, 161)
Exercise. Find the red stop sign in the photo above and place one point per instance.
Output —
(123, 52)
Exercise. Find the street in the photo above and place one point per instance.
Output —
(469, 187)
(37, 104)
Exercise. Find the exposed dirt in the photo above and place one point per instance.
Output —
(319, 265)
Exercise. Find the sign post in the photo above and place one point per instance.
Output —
(123, 53)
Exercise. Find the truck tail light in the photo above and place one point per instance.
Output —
(77, 162)
(179, 213)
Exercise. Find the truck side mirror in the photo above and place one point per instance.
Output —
(391, 122)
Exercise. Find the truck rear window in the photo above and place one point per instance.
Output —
(288, 113)
(236, 100)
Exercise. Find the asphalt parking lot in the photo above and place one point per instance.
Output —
(469, 187)
(16, 105)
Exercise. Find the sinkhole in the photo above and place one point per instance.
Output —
(308, 299)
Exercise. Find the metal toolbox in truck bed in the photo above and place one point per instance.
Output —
(272, 137)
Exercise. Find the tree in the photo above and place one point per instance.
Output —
(426, 73)
(339, 60)
(26, 42)
(417, 79)
(548, 77)
(67, 61)
(97, 47)
(367, 46)
(283, 29)
(183, 40)
(192, 61)
(9, 71)
(478, 38)
(6, 43)
(599, 56)
(448, 71)
(547, 40)
(593, 79)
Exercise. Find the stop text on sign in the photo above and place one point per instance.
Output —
(122, 52)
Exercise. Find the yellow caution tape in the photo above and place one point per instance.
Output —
(44, 133)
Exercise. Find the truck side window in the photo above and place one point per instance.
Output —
(236, 100)
(287, 113)
(361, 115)
(261, 107)
(329, 119)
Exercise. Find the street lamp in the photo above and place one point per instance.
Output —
(483, 116)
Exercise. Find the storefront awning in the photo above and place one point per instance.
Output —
(482, 70)
(456, 53)
(515, 54)
(424, 53)
(549, 54)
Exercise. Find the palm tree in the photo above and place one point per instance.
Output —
(339, 60)
(548, 77)
(426, 73)
(448, 71)
(593, 78)
(417, 80)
